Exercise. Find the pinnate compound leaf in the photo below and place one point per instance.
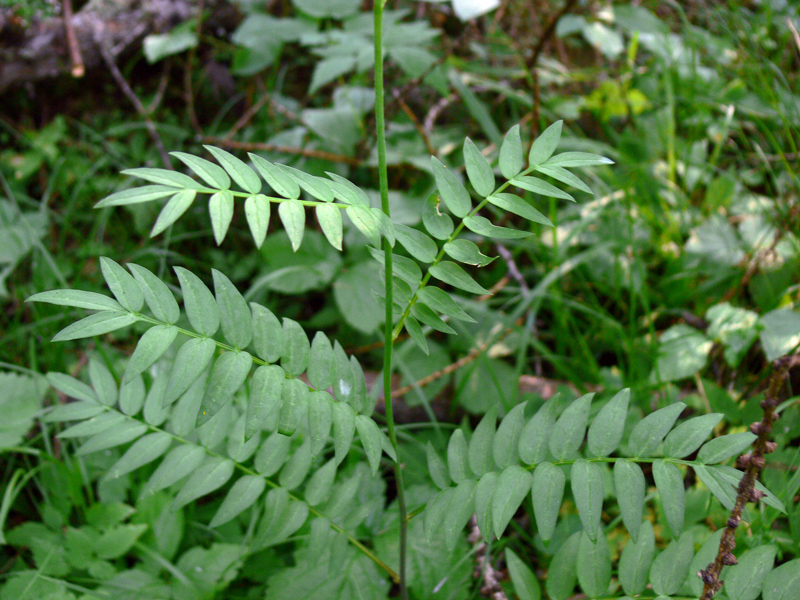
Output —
(520, 207)
(689, 436)
(479, 171)
(266, 389)
(293, 217)
(606, 430)
(437, 468)
(72, 387)
(587, 489)
(441, 301)
(365, 222)
(459, 509)
(209, 476)
(321, 362)
(451, 273)
(483, 226)
(180, 461)
(164, 177)
(243, 175)
(145, 193)
(505, 446)
(745, 580)
(296, 469)
(511, 159)
(150, 348)
(227, 375)
(143, 451)
(220, 207)
(670, 568)
(212, 174)
(257, 211)
(458, 457)
(198, 302)
(673, 499)
(296, 349)
(344, 426)
(534, 441)
(526, 586)
(237, 325)
(173, 210)
(547, 492)
(512, 486)
(783, 582)
(567, 434)
(545, 144)
(96, 324)
(267, 334)
(280, 181)
(122, 285)
(594, 566)
(437, 223)
(480, 446)
(78, 299)
(630, 488)
(577, 159)
(242, 495)
(541, 187)
(562, 574)
(419, 245)
(330, 220)
(648, 433)
(371, 441)
(723, 447)
(125, 432)
(157, 295)
(635, 561)
(453, 193)
(467, 252)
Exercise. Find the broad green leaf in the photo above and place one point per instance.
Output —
(146, 193)
(96, 324)
(783, 582)
(293, 394)
(586, 479)
(423, 313)
(745, 580)
(689, 436)
(330, 220)
(480, 446)
(437, 468)
(122, 285)
(78, 299)
(577, 159)
(671, 567)
(280, 181)
(526, 586)
(723, 447)
(365, 222)
(630, 487)
(180, 461)
(321, 362)
(344, 425)
(267, 334)
(414, 330)
(242, 495)
(343, 383)
(220, 208)
(458, 457)
(635, 561)
(123, 433)
(227, 375)
(173, 210)
(212, 174)
(512, 486)
(520, 207)
(93, 425)
(320, 484)
(371, 441)
(347, 191)
(567, 434)
(316, 186)
(152, 345)
(459, 510)
(779, 332)
(541, 187)
(72, 387)
(209, 476)
(419, 245)
(257, 210)
(272, 454)
(484, 492)
(479, 171)
(198, 302)
(297, 467)
(296, 349)
(511, 160)
(452, 274)
(243, 175)
(606, 430)
(564, 176)
(545, 144)
(562, 574)
(437, 223)
(594, 566)
(722, 490)
(441, 301)
(103, 382)
(534, 441)
(452, 192)
(673, 499)
(483, 226)
(293, 217)
(648, 433)
(467, 252)
(131, 396)
(234, 315)
(266, 389)
(191, 361)
(704, 557)
(505, 446)
(143, 451)
(434, 514)
(547, 493)
(157, 295)
(164, 177)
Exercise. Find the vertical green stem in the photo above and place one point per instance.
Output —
(380, 126)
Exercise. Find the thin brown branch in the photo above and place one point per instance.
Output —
(75, 57)
(420, 129)
(253, 146)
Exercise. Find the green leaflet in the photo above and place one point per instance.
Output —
(458, 457)
(606, 430)
(173, 210)
(220, 208)
(385, 225)
(483, 226)
(723, 447)
(112, 437)
(296, 348)
(96, 324)
(242, 495)
(296, 469)
(131, 396)
(404, 268)
(320, 420)
(467, 252)
(704, 557)
(321, 362)
(344, 426)
(272, 454)
(458, 511)
(451, 273)
(75, 411)
(294, 395)
(365, 222)
(149, 349)
(512, 486)
(689, 436)
(564, 176)
(547, 493)
(534, 441)
(414, 330)
(538, 186)
(425, 314)
(594, 566)
(505, 446)
(330, 221)
(266, 388)
(670, 568)
(121, 284)
(78, 299)
(479, 171)
(157, 295)
(316, 186)
(347, 191)
(238, 448)
(435, 512)
(648, 433)
(484, 492)
(93, 426)
(635, 561)
(783, 582)
(343, 383)
(480, 445)
(567, 434)
(437, 468)
(670, 487)
(452, 192)
(419, 245)
(243, 175)
(577, 159)
(164, 177)
(235, 317)
(155, 411)
(227, 375)
(511, 160)
(545, 144)
(437, 223)
(319, 487)
(216, 429)
(146, 193)
(562, 574)
(103, 382)
(280, 181)
(586, 479)
(257, 211)
(268, 339)
(630, 491)
(199, 303)
(526, 586)
(371, 441)
(745, 580)
(191, 361)
(441, 301)
(293, 217)
(209, 476)
(520, 207)
(212, 174)
(180, 461)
